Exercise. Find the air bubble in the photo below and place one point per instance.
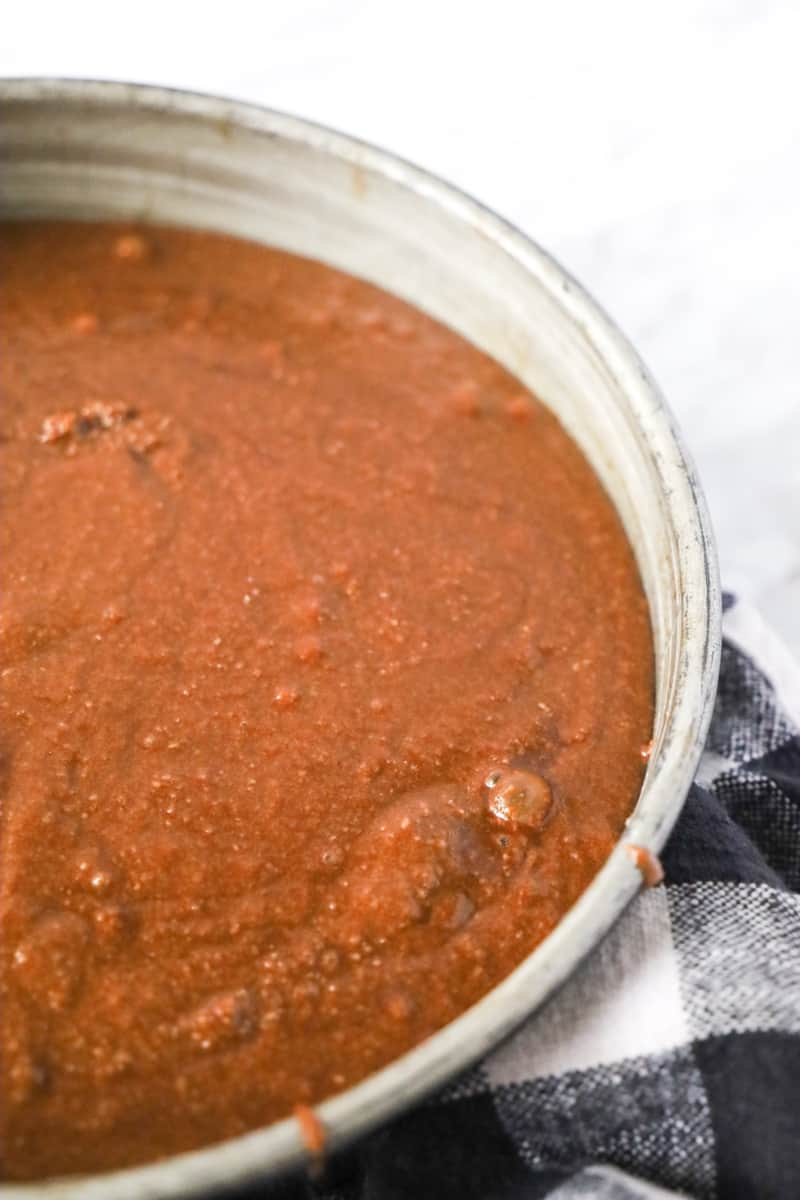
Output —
(520, 798)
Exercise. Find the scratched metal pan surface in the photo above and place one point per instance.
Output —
(109, 150)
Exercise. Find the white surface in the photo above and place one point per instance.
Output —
(623, 1002)
(654, 149)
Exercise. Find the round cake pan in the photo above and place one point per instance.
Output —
(107, 150)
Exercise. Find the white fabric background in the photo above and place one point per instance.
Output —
(654, 148)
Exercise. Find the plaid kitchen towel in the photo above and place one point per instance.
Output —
(669, 1065)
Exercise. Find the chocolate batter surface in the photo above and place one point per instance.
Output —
(326, 673)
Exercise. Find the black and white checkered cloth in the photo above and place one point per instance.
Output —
(669, 1065)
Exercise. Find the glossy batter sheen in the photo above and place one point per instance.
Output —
(326, 677)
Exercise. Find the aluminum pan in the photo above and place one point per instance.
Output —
(93, 150)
